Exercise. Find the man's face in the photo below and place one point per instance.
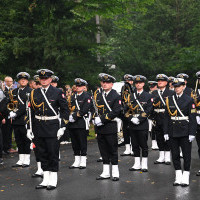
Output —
(162, 83)
(8, 81)
(54, 84)
(79, 89)
(153, 88)
(179, 89)
(32, 85)
(106, 86)
(45, 82)
(23, 82)
(139, 85)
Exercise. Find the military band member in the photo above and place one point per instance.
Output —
(108, 103)
(127, 139)
(37, 81)
(180, 128)
(46, 103)
(17, 115)
(152, 86)
(187, 90)
(170, 81)
(80, 104)
(160, 96)
(54, 81)
(197, 102)
(141, 107)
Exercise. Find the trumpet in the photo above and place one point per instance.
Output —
(13, 105)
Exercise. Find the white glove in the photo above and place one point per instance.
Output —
(60, 132)
(198, 119)
(97, 121)
(12, 115)
(191, 138)
(71, 119)
(166, 136)
(29, 134)
(135, 120)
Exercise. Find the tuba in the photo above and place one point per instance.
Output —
(13, 105)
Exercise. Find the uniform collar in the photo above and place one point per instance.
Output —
(139, 93)
(45, 88)
(162, 90)
(106, 92)
(79, 94)
(178, 96)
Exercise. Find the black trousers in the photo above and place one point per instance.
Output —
(153, 133)
(48, 152)
(36, 152)
(79, 141)
(139, 140)
(1, 143)
(198, 140)
(186, 146)
(7, 129)
(108, 146)
(162, 144)
(23, 143)
(66, 136)
(127, 138)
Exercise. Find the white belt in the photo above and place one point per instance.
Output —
(136, 115)
(180, 118)
(159, 110)
(198, 111)
(46, 117)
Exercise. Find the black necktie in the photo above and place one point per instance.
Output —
(178, 97)
(161, 92)
(105, 95)
(138, 94)
(44, 90)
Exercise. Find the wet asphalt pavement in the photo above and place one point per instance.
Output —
(76, 184)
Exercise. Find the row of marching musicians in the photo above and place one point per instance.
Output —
(48, 114)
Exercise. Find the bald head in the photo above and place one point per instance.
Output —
(9, 81)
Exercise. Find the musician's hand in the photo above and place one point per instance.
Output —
(166, 136)
(3, 121)
(191, 138)
(12, 115)
(71, 119)
(97, 121)
(198, 119)
(135, 120)
(29, 134)
(60, 132)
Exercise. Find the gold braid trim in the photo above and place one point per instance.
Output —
(156, 105)
(95, 99)
(33, 102)
(71, 108)
(167, 104)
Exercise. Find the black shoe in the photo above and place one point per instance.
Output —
(198, 173)
(81, 167)
(157, 162)
(1, 161)
(50, 187)
(40, 187)
(24, 166)
(37, 176)
(133, 169)
(16, 165)
(115, 179)
(72, 167)
(123, 154)
(144, 170)
(167, 163)
(100, 160)
(176, 184)
(184, 185)
(102, 178)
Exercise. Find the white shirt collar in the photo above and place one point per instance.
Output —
(8, 87)
(162, 90)
(106, 92)
(178, 96)
(140, 92)
(79, 94)
(45, 88)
